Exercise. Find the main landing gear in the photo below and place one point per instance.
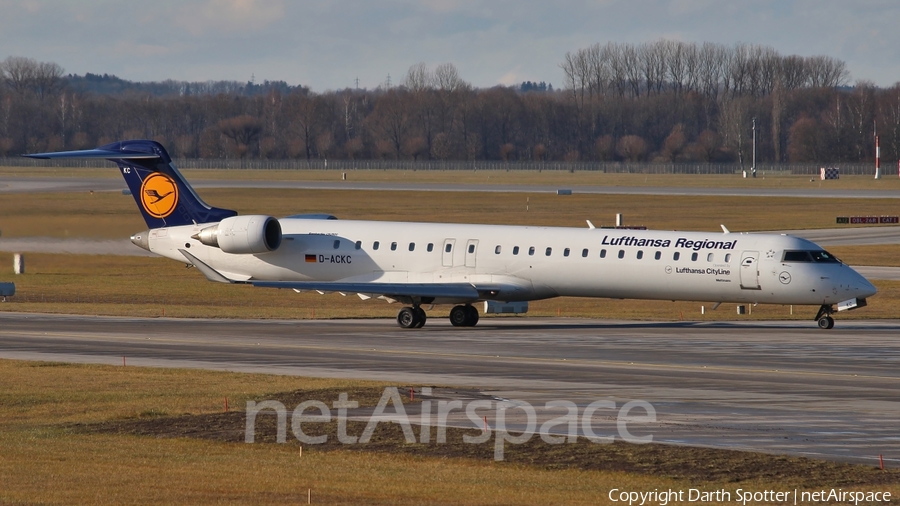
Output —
(411, 317)
(464, 316)
(823, 317)
(414, 317)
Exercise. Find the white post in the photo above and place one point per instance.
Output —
(619, 219)
(18, 263)
(753, 167)
(877, 158)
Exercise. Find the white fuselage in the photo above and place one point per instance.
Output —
(537, 262)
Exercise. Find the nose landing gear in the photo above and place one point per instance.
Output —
(823, 317)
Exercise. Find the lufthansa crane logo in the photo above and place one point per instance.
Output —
(159, 195)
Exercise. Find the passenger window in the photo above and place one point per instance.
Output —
(709, 258)
(693, 257)
(430, 247)
(566, 252)
(412, 246)
(621, 253)
(531, 251)
(603, 253)
(393, 246)
(449, 248)
(727, 257)
(375, 245)
(640, 255)
(658, 255)
(584, 253)
(497, 250)
(337, 243)
(515, 250)
(676, 256)
(358, 244)
(549, 250)
(471, 248)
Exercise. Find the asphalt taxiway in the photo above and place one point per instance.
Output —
(779, 387)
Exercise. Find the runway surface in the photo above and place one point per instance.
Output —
(42, 184)
(780, 387)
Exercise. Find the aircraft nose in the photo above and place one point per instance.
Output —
(862, 286)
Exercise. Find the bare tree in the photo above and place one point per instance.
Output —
(19, 73)
(632, 148)
(243, 131)
(48, 80)
(418, 78)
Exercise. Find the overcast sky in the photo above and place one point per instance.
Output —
(327, 44)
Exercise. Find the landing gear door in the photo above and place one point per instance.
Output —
(750, 270)
(471, 250)
(447, 252)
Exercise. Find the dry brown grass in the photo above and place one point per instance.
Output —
(112, 215)
(527, 177)
(47, 461)
(887, 255)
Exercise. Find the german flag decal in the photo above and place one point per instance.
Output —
(310, 259)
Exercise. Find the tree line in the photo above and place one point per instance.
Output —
(662, 101)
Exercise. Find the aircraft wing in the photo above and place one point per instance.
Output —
(392, 290)
(456, 291)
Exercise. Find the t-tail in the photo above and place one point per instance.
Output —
(162, 194)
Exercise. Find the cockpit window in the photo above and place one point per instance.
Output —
(824, 257)
(796, 256)
(810, 256)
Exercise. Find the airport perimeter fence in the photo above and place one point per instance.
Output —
(805, 169)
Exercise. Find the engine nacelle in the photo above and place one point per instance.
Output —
(243, 234)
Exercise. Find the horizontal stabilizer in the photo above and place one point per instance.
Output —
(104, 154)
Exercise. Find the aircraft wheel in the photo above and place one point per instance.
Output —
(826, 322)
(421, 317)
(471, 316)
(407, 318)
(459, 316)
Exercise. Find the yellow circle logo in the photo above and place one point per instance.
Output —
(159, 195)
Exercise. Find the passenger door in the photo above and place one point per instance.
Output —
(750, 270)
(447, 252)
(471, 250)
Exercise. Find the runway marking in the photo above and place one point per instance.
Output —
(510, 358)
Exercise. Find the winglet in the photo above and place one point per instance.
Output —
(724, 229)
(210, 273)
(590, 225)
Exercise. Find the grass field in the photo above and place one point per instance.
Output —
(113, 215)
(57, 449)
(521, 177)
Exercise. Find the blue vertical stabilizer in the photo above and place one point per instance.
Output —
(162, 194)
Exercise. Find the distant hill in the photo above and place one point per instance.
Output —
(111, 85)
